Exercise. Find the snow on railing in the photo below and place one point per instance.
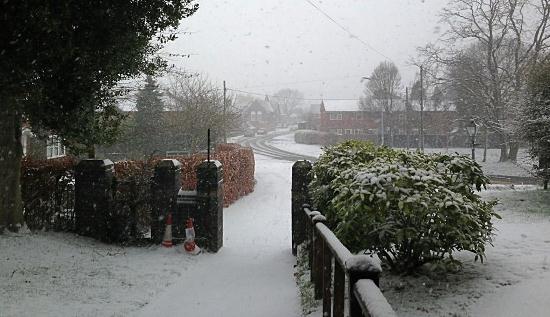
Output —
(363, 272)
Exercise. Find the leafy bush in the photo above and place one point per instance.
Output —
(409, 208)
(47, 188)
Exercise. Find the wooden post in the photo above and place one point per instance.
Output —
(339, 290)
(360, 267)
(327, 279)
(317, 267)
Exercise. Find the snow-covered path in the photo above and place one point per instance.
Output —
(252, 275)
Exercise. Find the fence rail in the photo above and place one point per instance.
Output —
(330, 262)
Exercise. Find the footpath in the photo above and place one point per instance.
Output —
(252, 275)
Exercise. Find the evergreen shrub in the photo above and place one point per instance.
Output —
(408, 208)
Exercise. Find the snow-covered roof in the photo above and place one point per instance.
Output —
(341, 105)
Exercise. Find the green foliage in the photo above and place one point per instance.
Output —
(409, 208)
(149, 125)
(65, 58)
(536, 127)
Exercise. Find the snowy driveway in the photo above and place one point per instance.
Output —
(252, 275)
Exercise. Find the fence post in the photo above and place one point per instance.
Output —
(209, 220)
(301, 178)
(310, 241)
(318, 261)
(93, 197)
(360, 267)
(327, 279)
(164, 190)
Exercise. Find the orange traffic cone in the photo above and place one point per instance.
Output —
(189, 244)
(167, 241)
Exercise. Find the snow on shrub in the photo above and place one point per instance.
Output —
(409, 208)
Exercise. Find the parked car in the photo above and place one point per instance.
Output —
(262, 132)
(249, 133)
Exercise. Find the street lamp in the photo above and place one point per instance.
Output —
(472, 132)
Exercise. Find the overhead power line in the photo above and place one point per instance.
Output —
(305, 99)
(303, 82)
(345, 29)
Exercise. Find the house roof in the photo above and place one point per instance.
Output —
(264, 104)
(341, 105)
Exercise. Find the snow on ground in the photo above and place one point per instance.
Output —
(59, 274)
(514, 280)
(491, 167)
(286, 142)
(252, 275)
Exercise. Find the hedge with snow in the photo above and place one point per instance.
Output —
(408, 208)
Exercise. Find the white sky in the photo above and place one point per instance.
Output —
(262, 46)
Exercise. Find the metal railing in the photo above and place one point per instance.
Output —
(326, 252)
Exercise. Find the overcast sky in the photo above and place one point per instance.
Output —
(261, 46)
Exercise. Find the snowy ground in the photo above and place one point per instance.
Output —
(57, 274)
(513, 281)
(491, 167)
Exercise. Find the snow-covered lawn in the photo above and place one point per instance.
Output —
(57, 274)
(491, 167)
(514, 280)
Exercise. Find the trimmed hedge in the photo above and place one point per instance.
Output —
(48, 189)
(314, 137)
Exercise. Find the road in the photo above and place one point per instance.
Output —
(260, 145)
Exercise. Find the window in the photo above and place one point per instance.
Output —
(335, 116)
(252, 115)
(358, 131)
(259, 116)
(54, 148)
(339, 131)
(348, 131)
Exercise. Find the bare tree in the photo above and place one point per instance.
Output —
(382, 90)
(507, 42)
(285, 101)
(196, 106)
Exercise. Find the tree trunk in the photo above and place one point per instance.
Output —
(514, 149)
(503, 148)
(486, 144)
(11, 211)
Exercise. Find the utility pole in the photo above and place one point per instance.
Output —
(383, 132)
(224, 125)
(421, 109)
(407, 112)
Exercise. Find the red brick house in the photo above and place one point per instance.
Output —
(346, 119)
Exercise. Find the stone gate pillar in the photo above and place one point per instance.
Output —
(209, 214)
(301, 178)
(93, 197)
(164, 191)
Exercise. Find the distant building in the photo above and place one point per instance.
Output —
(260, 114)
(401, 128)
